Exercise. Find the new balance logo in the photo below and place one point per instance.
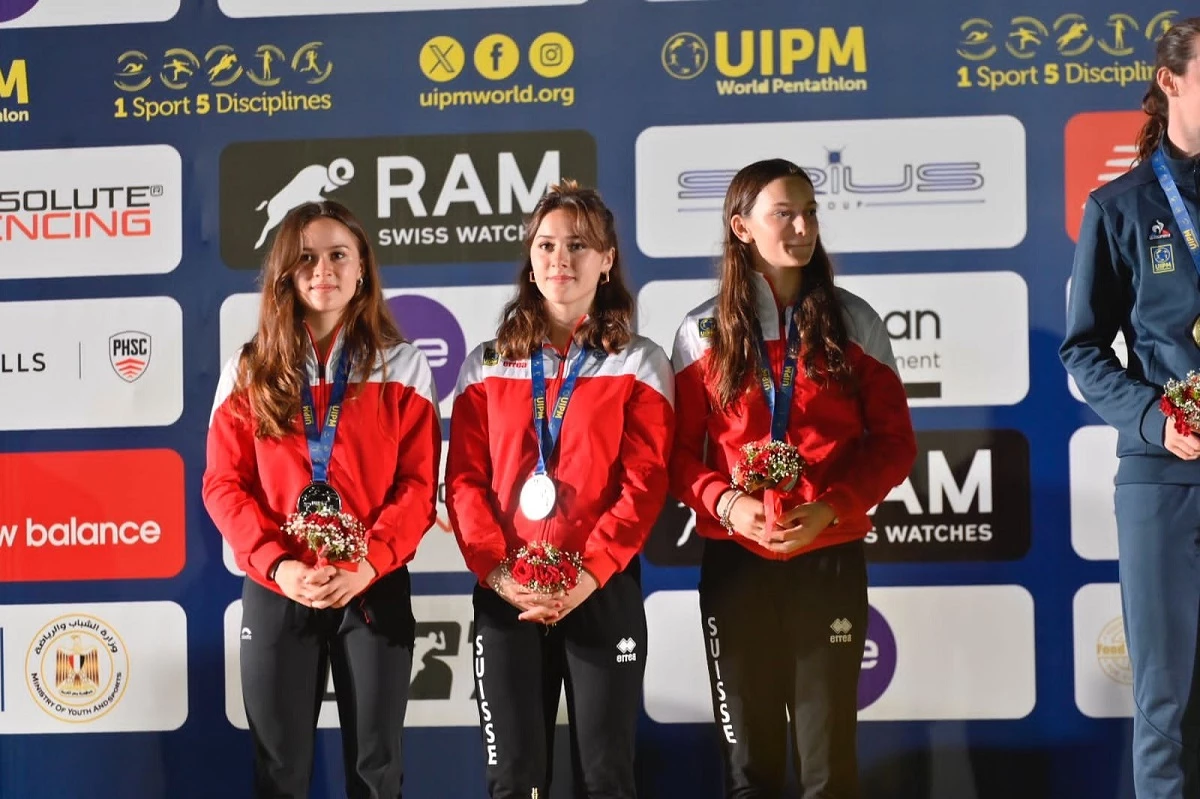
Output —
(625, 653)
(841, 631)
(246, 634)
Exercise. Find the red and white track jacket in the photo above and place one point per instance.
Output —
(384, 463)
(610, 464)
(857, 447)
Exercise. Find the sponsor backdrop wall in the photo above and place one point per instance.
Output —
(151, 147)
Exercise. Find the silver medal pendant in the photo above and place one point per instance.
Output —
(318, 496)
(537, 497)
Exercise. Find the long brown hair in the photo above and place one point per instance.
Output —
(734, 353)
(1176, 47)
(524, 322)
(272, 363)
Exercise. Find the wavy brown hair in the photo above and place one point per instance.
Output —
(272, 364)
(524, 323)
(734, 353)
(1176, 47)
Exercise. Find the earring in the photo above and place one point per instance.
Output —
(531, 277)
(604, 278)
(360, 282)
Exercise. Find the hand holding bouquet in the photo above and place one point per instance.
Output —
(337, 538)
(773, 467)
(542, 568)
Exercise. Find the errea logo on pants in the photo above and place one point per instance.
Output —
(841, 631)
(625, 650)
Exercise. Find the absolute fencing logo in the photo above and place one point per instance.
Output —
(967, 499)
(871, 199)
(91, 211)
(423, 199)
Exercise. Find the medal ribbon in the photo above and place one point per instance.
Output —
(320, 444)
(1182, 218)
(548, 429)
(780, 400)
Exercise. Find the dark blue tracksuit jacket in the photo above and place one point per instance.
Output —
(1118, 285)
(1133, 273)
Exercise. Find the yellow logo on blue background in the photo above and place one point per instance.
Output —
(1162, 258)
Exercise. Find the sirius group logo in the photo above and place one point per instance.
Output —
(870, 198)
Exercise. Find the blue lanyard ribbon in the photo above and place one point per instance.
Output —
(548, 429)
(1182, 218)
(320, 443)
(780, 400)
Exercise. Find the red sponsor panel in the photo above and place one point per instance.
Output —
(1100, 147)
(102, 515)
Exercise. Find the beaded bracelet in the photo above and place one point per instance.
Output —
(737, 494)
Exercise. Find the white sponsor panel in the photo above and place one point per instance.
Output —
(437, 552)
(941, 183)
(69, 364)
(91, 211)
(59, 13)
(99, 667)
(1120, 349)
(453, 320)
(954, 652)
(1103, 675)
(1093, 470)
(298, 8)
(959, 338)
(442, 683)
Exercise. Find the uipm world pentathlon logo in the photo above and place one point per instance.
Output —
(129, 354)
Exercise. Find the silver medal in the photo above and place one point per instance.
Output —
(537, 497)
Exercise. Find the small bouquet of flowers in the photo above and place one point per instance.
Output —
(1181, 403)
(773, 467)
(543, 568)
(337, 538)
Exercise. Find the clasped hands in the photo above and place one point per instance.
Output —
(545, 609)
(795, 529)
(322, 587)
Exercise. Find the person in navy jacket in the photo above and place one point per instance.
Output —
(784, 605)
(593, 489)
(1136, 272)
(323, 310)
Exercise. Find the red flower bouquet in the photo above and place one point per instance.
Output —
(337, 538)
(543, 568)
(773, 467)
(1181, 403)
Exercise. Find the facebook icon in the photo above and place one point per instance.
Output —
(497, 55)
